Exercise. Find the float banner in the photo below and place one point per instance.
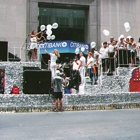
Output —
(63, 46)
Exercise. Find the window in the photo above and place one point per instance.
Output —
(72, 22)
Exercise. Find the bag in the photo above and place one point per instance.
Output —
(15, 90)
(67, 91)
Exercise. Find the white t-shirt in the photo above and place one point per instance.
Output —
(88, 61)
(111, 48)
(95, 54)
(53, 57)
(104, 52)
(75, 66)
(33, 39)
(83, 61)
(120, 45)
(131, 47)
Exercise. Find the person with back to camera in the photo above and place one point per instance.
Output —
(57, 84)
(34, 41)
(53, 58)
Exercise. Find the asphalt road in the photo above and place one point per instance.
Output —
(80, 125)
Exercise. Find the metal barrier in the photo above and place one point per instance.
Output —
(123, 59)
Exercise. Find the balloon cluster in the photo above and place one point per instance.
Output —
(48, 29)
(126, 26)
(77, 50)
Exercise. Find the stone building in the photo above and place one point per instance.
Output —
(79, 20)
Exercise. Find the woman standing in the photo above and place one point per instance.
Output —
(89, 66)
(53, 58)
(34, 41)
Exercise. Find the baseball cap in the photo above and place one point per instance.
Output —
(57, 72)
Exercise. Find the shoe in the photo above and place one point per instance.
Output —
(55, 110)
(95, 83)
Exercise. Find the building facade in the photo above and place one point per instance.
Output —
(79, 20)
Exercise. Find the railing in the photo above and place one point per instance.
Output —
(18, 50)
(122, 60)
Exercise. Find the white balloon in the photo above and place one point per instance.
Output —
(49, 32)
(126, 24)
(49, 27)
(76, 50)
(48, 37)
(106, 32)
(121, 36)
(93, 44)
(53, 37)
(129, 37)
(42, 27)
(127, 29)
(82, 49)
(55, 25)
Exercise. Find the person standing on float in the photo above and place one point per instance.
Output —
(81, 67)
(53, 58)
(34, 44)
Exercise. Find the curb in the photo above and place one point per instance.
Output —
(70, 107)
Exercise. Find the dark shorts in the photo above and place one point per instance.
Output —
(132, 54)
(58, 95)
(104, 62)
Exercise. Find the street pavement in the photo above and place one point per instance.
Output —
(71, 125)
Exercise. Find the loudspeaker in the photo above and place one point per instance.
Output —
(31, 68)
(45, 81)
(36, 82)
(3, 50)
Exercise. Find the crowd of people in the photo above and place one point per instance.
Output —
(119, 53)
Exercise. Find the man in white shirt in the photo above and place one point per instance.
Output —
(81, 67)
(95, 56)
(104, 55)
(122, 53)
(112, 53)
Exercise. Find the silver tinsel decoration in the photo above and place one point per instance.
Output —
(109, 84)
(14, 73)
